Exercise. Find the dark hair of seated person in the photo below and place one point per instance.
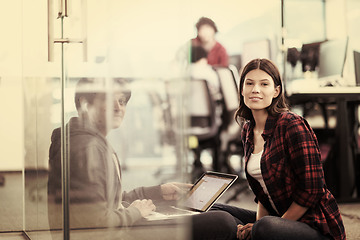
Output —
(206, 21)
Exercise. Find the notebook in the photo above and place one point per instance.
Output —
(200, 198)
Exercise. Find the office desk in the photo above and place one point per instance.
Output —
(342, 166)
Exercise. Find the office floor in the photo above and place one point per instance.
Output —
(11, 207)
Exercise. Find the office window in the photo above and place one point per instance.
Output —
(353, 19)
(304, 20)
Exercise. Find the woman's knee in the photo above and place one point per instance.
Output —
(218, 220)
(214, 224)
(225, 220)
(265, 227)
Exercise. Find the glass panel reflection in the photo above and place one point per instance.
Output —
(99, 198)
(147, 149)
(38, 107)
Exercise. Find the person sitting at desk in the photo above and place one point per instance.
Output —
(206, 31)
(282, 164)
(200, 69)
(96, 193)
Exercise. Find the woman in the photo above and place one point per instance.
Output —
(282, 164)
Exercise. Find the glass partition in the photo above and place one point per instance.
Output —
(11, 121)
(41, 81)
(119, 46)
(51, 46)
(81, 149)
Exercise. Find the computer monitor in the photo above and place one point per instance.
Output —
(357, 67)
(309, 56)
(332, 58)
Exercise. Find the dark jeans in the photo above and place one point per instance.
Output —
(271, 227)
(213, 225)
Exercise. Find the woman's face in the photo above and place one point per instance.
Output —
(259, 90)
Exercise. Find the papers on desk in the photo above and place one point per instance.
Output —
(301, 85)
(313, 85)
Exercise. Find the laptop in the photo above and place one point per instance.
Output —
(200, 198)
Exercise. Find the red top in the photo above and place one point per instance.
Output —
(217, 56)
(292, 171)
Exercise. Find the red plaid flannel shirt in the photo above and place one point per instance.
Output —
(292, 170)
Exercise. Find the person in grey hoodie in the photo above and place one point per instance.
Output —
(96, 195)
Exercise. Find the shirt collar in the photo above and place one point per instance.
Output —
(250, 132)
(268, 131)
(269, 126)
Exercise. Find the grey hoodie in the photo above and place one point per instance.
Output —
(96, 196)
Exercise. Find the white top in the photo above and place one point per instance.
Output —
(254, 170)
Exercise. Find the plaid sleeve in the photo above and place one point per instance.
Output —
(305, 161)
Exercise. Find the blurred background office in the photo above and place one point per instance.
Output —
(47, 46)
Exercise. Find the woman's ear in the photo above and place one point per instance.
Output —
(277, 91)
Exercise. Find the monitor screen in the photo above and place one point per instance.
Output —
(332, 57)
(309, 56)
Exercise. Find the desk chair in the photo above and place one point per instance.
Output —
(192, 111)
(230, 131)
(203, 126)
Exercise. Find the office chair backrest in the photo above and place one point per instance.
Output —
(201, 106)
(196, 103)
(229, 92)
(230, 130)
(229, 88)
(201, 102)
(235, 72)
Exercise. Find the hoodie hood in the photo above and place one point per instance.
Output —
(76, 127)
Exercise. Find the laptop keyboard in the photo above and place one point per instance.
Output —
(170, 210)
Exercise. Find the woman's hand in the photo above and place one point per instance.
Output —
(174, 190)
(244, 232)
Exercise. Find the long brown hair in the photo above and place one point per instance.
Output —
(278, 104)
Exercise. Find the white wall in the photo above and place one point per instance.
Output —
(336, 26)
(11, 124)
(11, 95)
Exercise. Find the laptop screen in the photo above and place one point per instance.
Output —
(207, 190)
